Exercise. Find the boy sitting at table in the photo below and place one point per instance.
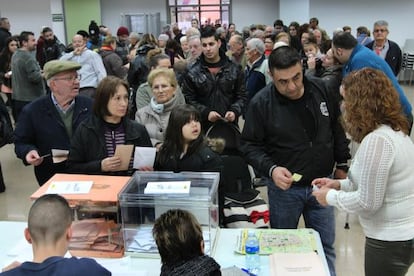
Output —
(49, 232)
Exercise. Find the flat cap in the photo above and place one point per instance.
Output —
(54, 67)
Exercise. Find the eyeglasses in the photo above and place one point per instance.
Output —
(70, 79)
(380, 30)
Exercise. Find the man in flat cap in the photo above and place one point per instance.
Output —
(48, 123)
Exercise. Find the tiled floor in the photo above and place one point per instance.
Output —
(20, 182)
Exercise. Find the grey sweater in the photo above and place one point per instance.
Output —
(26, 77)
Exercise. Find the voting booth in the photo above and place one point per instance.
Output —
(147, 195)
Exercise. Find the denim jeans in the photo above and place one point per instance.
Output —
(286, 207)
(388, 257)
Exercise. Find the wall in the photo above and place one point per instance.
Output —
(78, 15)
(294, 10)
(247, 12)
(112, 10)
(354, 13)
(23, 18)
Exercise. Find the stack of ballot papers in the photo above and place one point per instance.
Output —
(96, 238)
(143, 241)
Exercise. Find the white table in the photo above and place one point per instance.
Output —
(11, 236)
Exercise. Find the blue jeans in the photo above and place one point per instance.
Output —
(286, 207)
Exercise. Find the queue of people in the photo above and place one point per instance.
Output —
(287, 84)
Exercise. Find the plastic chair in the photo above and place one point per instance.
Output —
(408, 59)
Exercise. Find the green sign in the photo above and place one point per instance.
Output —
(57, 17)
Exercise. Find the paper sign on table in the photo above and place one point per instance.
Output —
(296, 264)
(168, 187)
(69, 187)
(124, 152)
(144, 157)
(59, 155)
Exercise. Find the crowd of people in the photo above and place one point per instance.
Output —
(286, 82)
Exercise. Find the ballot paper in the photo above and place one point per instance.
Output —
(124, 152)
(144, 157)
(296, 177)
(59, 155)
(143, 241)
(296, 264)
(168, 187)
(69, 187)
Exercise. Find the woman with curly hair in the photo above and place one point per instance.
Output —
(379, 187)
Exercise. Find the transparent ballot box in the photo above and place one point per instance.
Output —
(147, 195)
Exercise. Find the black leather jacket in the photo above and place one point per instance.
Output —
(274, 134)
(222, 92)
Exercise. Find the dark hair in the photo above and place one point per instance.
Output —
(294, 24)
(344, 40)
(49, 217)
(104, 92)
(6, 52)
(154, 56)
(24, 36)
(314, 19)
(174, 140)
(83, 33)
(283, 57)
(278, 22)
(46, 30)
(178, 236)
(209, 31)
(362, 30)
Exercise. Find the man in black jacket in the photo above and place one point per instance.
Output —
(292, 128)
(385, 48)
(49, 122)
(214, 84)
(4, 32)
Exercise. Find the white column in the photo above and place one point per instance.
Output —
(58, 27)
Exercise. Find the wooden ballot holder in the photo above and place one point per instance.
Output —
(96, 233)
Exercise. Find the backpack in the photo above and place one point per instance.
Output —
(6, 129)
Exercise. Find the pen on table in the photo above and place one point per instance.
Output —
(247, 271)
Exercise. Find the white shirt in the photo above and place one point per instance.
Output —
(92, 70)
(380, 186)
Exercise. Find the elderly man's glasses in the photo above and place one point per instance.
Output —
(380, 30)
(70, 79)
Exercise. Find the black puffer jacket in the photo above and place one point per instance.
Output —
(88, 146)
(222, 92)
(202, 160)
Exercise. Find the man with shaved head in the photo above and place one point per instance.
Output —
(49, 232)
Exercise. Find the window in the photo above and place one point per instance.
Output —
(205, 11)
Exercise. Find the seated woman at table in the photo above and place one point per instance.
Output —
(179, 239)
(155, 115)
(184, 148)
(94, 142)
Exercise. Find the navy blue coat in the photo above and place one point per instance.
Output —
(41, 128)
